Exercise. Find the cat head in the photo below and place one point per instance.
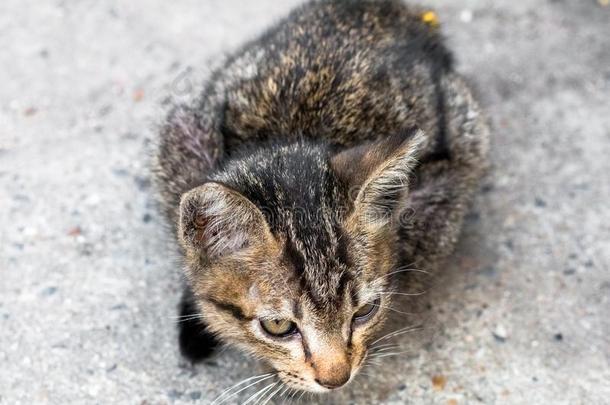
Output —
(288, 250)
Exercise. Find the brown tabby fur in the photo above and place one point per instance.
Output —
(322, 156)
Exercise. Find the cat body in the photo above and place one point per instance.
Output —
(335, 148)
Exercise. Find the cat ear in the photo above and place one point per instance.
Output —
(216, 221)
(377, 173)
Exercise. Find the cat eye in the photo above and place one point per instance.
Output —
(278, 327)
(366, 311)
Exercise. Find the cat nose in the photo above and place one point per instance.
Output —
(333, 377)
(330, 361)
(335, 382)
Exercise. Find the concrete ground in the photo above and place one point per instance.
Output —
(88, 277)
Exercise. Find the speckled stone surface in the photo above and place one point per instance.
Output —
(88, 277)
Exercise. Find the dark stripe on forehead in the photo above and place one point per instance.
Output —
(313, 294)
(353, 294)
(343, 258)
(346, 277)
(297, 311)
(231, 309)
(319, 274)
(294, 258)
(342, 252)
(324, 294)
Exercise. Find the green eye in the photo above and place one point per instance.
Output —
(366, 311)
(279, 327)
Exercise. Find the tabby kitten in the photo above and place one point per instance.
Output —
(322, 156)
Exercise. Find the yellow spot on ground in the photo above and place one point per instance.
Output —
(603, 3)
(430, 18)
(439, 382)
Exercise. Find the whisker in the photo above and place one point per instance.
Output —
(412, 270)
(382, 345)
(404, 270)
(260, 376)
(382, 355)
(286, 389)
(198, 313)
(415, 329)
(397, 332)
(385, 349)
(185, 318)
(291, 394)
(261, 392)
(402, 293)
(393, 309)
(226, 392)
(187, 315)
(272, 395)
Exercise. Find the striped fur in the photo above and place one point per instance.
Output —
(289, 179)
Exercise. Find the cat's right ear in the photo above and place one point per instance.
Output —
(216, 221)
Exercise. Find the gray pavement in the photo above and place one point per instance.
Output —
(89, 280)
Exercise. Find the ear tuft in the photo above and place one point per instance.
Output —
(216, 221)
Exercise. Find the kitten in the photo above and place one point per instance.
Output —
(322, 156)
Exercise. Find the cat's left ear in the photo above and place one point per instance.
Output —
(217, 221)
(377, 174)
